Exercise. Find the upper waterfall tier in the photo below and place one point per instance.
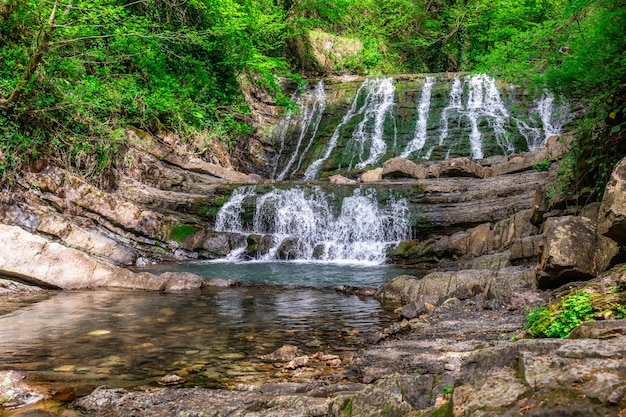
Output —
(343, 126)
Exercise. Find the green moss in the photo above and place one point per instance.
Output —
(445, 410)
(180, 232)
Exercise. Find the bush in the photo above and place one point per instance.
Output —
(561, 318)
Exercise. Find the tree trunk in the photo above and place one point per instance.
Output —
(41, 46)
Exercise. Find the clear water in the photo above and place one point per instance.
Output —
(291, 273)
(215, 337)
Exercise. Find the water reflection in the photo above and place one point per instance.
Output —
(215, 337)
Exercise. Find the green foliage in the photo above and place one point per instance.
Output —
(575, 48)
(561, 318)
(542, 166)
(181, 232)
(447, 390)
(76, 77)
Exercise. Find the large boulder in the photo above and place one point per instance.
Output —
(36, 260)
(612, 216)
(556, 147)
(569, 252)
(461, 167)
(585, 376)
(373, 175)
(436, 287)
(403, 168)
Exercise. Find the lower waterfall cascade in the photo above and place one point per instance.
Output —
(430, 117)
(310, 224)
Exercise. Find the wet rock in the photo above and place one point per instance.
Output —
(14, 392)
(168, 281)
(413, 310)
(358, 291)
(171, 379)
(259, 245)
(374, 175)
(221, 282)
(284, 353)
(288, 249)
(612, 216)
(569, 251)
(217, 244)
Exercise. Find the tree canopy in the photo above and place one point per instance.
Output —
(74, 74)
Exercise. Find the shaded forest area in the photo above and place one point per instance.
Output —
(75, 74)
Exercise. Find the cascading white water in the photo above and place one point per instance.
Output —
(483, 103)
(315, 166)
(229, 216)
(419, 138)
(282, 129)
(310, 120)
(475, 122)
(307, 222)
(319, 105)
(550, 124)
(454, 103)
(377, 106)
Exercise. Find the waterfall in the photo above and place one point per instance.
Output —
(384, 118)
(484, 101)
(283, 128)
(454, 103)
(419, 138)
(546, 124)
(309, 224)
(310, 120)
(378, 104)
(314, 168)
(483, 104)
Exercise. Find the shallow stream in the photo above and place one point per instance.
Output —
(213, 338)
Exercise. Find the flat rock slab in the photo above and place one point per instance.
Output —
(40, 262)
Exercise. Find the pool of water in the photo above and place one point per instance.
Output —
(290, 273)
(214, 337)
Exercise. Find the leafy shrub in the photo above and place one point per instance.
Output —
(542, 166)
(561, 318)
